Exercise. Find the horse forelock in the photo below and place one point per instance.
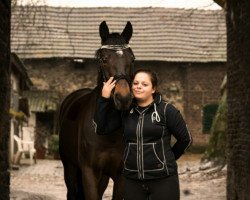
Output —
(114, 39)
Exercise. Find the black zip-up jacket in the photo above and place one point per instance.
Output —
(147, 133)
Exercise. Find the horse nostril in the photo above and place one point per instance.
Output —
(122, 102)
(117, 96)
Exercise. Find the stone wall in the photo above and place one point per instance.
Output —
(186, 85)
(4, 97)
(202, 87)
(62, 75)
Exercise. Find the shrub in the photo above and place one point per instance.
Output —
(54, 144)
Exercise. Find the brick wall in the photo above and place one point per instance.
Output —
(202, 87)
(188, 86)
(4, 97)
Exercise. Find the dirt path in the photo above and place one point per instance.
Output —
(201, 181)
(44, 181)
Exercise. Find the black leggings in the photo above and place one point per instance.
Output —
(158, 189)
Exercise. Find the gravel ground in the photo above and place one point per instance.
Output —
(44, 181)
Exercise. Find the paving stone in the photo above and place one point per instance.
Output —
(45, 181)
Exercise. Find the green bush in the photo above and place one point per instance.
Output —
(209, 112)
(54, 144)
(216, 150)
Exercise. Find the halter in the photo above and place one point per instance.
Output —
(115, 46)
(126, 77)
(117, 77)
(119, 50)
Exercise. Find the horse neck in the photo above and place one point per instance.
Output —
(99, 83)
(98, 91)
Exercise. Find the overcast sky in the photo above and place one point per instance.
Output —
(200, 4)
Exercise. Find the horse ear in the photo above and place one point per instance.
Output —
(127, 32)
(103, 31)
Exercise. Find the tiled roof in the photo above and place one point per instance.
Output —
(18, 67)
(42, 101)
(164, 34)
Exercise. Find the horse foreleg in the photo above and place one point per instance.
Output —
(90, 184)
(103, 183)
(72, 177)
(118, 191)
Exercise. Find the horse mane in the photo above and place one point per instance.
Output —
(113, 39)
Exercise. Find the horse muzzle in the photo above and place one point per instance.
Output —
(122, 94)
(122, 102)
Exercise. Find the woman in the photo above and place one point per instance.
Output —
(150, 168)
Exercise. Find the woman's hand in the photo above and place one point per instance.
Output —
(108, 87)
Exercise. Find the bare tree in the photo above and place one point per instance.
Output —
(5, 10)
(238, 134)
(238, 73)
(27, 2)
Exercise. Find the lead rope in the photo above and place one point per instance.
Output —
(155, 116)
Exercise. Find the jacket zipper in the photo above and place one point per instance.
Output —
(139, 146)
(137, 136)
(141, 139)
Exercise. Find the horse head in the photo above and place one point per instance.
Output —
(117, 59)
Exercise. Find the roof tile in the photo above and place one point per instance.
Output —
(164, 34)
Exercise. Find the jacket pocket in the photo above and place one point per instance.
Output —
(171, 163)
(131, 157)
(152, 157)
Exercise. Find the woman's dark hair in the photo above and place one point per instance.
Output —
(151, 73)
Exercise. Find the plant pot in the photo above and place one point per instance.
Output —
(40, 153)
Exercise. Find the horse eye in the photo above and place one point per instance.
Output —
(103, 60)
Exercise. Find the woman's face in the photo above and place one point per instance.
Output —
(142, 87)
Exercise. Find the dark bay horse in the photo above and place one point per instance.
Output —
(89, 160)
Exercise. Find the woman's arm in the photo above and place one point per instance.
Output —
(106, 119)
(177, 126)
